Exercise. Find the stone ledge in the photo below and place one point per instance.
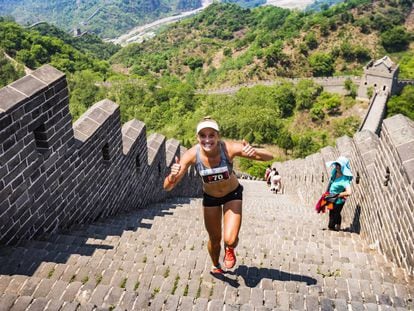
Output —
(47, 74)
(10, 98)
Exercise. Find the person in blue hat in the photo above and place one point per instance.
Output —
(340, 187)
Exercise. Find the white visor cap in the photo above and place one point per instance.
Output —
(207, 123)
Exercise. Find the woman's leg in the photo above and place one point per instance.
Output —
(232, 222)
(332, 218)
(212, 222)
(338, 216)
(335, 217)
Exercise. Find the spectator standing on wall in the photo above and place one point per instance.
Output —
(222, 193)
(340, 186)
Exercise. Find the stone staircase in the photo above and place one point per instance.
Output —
(156, 259)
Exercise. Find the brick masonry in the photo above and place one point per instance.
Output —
(55, 174)
(381, 207)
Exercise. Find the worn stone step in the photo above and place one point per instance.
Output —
(156, 259)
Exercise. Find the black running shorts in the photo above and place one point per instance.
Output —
(209, 201)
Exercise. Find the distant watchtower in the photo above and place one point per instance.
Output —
(382, 75)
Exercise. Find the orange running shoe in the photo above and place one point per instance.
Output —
(216, 270)
(229, 257)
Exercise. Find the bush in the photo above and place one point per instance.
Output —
(395, 39)
(317, 113)
(347, 126)
(321, 64)
(403, 103)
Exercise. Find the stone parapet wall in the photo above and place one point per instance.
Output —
(54, 175)
(381, 207)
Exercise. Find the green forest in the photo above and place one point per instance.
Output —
(158, 81)
(107, 19)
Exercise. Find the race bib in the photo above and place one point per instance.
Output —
(212, 175)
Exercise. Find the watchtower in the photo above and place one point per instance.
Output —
(382, 75)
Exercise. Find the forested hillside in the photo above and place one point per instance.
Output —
(157, 81)
(228, 45)
(107, 18)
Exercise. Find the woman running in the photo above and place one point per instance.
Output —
(222, 193)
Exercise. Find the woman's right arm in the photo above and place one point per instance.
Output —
(179, 169)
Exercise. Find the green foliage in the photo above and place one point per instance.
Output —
(285, 140)
(403, 103)
(83, 91)
(247, 3)
(274, 54)
(317, 113)
(88, 43)
(33, 49)
(321, 64)
(253, 168)
(330, 102)
(108, 19)
(194, 62)
(364, 24)
(406, 63)
(354, 52)
(271, 18)
(311, 41)
(304, 145)
(227, 52)
(347, 126)
(221, 20)
(8, 72)
(306, 93)
(370, 91)
(350, 87)
(395, 39)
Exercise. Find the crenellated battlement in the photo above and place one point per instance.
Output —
(54, 174)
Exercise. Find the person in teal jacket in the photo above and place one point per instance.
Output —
(340, 185)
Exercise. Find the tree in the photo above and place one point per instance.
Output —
(274, 54)
(321, 64)
(403, 103)
(317, 113)
(330, 102)
(285, 141)
(311, 41)
(8, 73)
(284, 97)
(395, 39)
(347, 126)
(350, 87)
(83, 91)
(306, 93)
(304, 146)
(25, 57)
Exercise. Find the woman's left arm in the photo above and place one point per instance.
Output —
(346, 193)
(245, 150)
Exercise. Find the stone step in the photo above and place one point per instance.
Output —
(156, 259)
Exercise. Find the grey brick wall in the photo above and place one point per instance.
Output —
(381, 207)
(54, 174)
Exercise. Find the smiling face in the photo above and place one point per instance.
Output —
(208, 139)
